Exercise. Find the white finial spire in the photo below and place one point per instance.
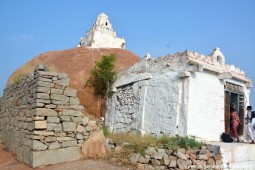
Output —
(102, 35)
(147, 56)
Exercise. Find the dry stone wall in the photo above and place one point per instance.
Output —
(126, 108)
(154, 158)
(41, 119)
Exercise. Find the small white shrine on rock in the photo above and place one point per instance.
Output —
(102, 35)
(184, 93)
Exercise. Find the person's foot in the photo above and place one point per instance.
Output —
(252, 142)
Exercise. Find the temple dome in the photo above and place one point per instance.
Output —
(102, 35)
(102, 15)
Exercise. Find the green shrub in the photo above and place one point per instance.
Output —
(110, 93)
(138, 143)
(102, 75)
(176, 142)
(17, 78)
(105, 131)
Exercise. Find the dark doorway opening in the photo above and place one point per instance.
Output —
(234, 96)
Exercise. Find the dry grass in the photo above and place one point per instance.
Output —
(17, 78)
(132, 143)
(135, 140)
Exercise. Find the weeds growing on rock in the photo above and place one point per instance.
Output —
(105, 131)
(131, 143)
(186, 142)
(17, 78)
(134, 143)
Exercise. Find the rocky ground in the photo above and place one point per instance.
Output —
(8, 162)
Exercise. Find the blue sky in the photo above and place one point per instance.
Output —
(29, 28)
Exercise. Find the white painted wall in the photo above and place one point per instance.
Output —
(101, 39)
(161, 103)
(206, 106)
(239, 157)
(182, 111)
(236, 156)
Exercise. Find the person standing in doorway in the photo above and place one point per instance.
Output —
(234, 123)
(250, 125)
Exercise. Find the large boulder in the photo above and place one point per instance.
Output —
(77, 63)
(96, 146)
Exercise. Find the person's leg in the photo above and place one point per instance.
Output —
(232, 131)
(249, 133)
(252, 128)
(235, 132)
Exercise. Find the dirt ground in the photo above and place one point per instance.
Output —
(8, 162)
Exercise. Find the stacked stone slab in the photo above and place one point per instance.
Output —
(41, 119)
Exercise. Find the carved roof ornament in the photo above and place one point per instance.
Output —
(147, 56)
(217, 57)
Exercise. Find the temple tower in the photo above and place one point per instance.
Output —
(102, 35)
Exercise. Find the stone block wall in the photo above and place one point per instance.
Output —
(41, 119)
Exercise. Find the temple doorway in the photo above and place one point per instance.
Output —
(234, 96)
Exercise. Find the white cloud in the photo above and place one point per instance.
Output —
(27, 37)
(22, 37)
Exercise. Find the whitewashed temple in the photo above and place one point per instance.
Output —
(102, 35)
(184, 93)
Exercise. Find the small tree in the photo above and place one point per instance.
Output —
(101, 76)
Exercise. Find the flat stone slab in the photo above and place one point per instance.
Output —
(7, 162)
(55, 156)
(235, 155)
